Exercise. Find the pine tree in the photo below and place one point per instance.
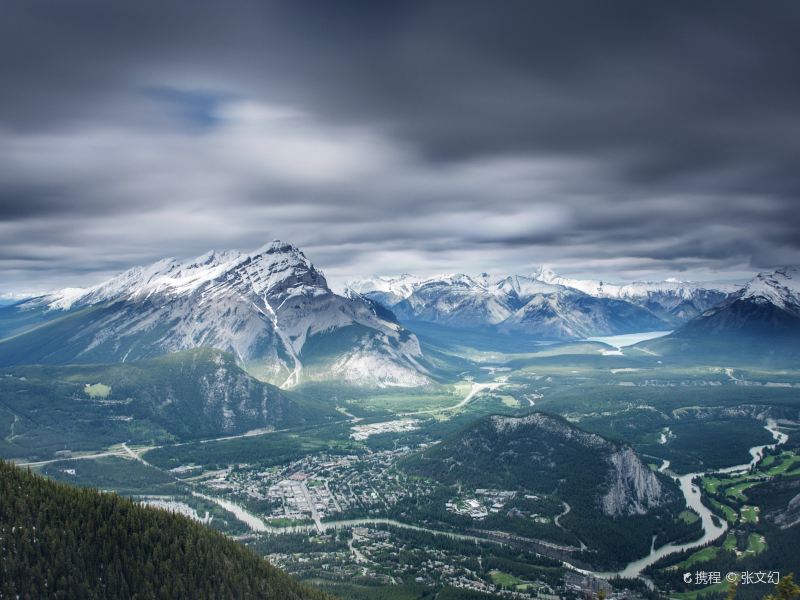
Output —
(786, 589)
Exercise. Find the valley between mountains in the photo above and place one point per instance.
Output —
(461, 435)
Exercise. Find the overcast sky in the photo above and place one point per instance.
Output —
(621, 139)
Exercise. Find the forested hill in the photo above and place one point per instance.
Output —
(57, 541)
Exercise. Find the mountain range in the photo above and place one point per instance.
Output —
(676, 302)
(273, 311)
(543, 304)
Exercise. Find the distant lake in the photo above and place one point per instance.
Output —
(627, 339)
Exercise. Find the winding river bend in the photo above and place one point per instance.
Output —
(692, 495)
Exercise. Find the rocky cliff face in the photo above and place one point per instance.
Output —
(634, 488)
(791, 516)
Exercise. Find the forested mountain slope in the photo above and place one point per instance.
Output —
(200, 393)
(63, 542)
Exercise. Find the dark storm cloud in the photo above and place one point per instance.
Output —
(629, 138)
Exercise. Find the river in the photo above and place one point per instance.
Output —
(757, 452)
(347, 523)
(257, 524)
(252, 521)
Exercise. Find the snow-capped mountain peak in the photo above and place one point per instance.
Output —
(523, 287)
(587, 286)
(391, 290)
(510, 304)
(281, 270)
(399, 287)
(544, 273)
(673, 300)
(780, 287)
(276, 265)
